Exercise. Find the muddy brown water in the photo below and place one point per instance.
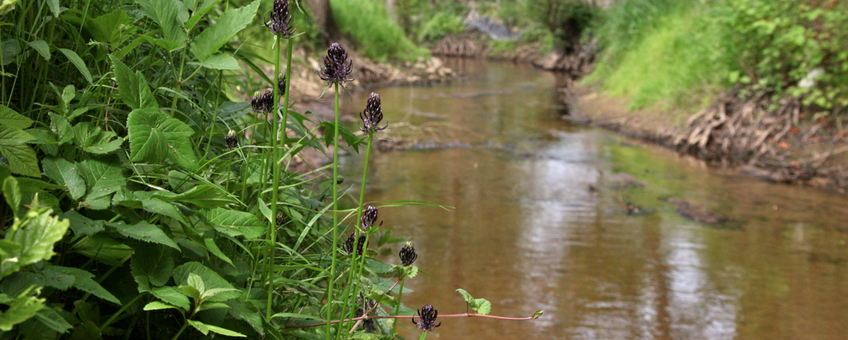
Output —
(526, 232)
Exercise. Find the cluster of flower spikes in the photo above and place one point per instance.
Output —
(336, 66)
(231, 139)
(281, 19)
(428, 316)
(372, 115)
(265, 103)
(368, 220)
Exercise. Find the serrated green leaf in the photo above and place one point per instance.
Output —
(203, 195)
(103, 248)
(235, 223)
(205, 329)
(12, 193)
(156, 305)
(62, 127)
(144, 231)
(152, 265)
(212, 247)
(48, 317)
(154, 136)
(196, 282)
(173, 296)
(165, 13)
(210, 278)
(112, 28)
(467, 297)
(21, 157)
(84, 282)
(102, 178)
(56, 279)
(224, 29)
(36, 233)
(132, 87)
(199, 13)
(220, 61)
(482, 306)
(82, 225)
(94, 140)
(66, 174)
(13, 119)
(158, 206)
(78, 63)
(23, 307)
(41, 47)
(190, 292)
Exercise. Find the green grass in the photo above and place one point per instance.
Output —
(673, 58)
(375, 34)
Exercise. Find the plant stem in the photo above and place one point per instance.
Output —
(397, 304)
(118, 313)
(365, 317)
(177, 336)
(356, 228)
(335, 209)
(272, 225)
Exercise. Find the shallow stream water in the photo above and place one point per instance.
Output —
(526, 232)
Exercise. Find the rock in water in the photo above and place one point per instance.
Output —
(697, 212)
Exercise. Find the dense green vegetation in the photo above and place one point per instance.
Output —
(142, 203)
(680, 53)
(376, 35)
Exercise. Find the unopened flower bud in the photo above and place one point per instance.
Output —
(231, 139)
(407, 254)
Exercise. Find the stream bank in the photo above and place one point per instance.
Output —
(749, 133)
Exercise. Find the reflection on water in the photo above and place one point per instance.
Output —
(528, 234)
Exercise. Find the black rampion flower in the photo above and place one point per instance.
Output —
(231, 139)
(281, 84)
(369, 217)
(280, 219)
(348, 245)
(372, 115)
(263, 103)
(336, 65)
(428, 316)
(407, 254)
(281, 19)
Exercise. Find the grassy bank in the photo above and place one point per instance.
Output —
(375, 34)
(680, 54)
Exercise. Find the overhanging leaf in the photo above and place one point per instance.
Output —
(77, 61)
(84, 282)
(224, 29)
(235, 223)
(220, 61)
(41, 47)
(65, 173)
(13, 118)
(36, 234)
(144, 231)
(94, 140)
(152, 265)
(154, 136)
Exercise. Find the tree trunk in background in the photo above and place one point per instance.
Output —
(322, 13)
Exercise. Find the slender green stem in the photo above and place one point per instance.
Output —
(272, 226)
(177, 336)
(118, 313)
(353, 280)
(335, 210)
(397, 304)
(286, 92)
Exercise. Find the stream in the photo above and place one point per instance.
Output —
(527, 233)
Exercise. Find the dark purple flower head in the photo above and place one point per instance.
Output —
(366, 306)
(336, 65)
(348, 245)
(263, 103)
(281, 19)
(280, 219)
(372, 115)
(428, 316)
(407, 254)
(231, 139)
(369, 217)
